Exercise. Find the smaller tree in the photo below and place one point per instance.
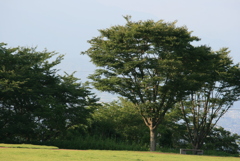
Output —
(171, 131)
(222, 140)
(202, 109)
(119, 119)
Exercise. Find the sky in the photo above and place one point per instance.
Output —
(65, 26)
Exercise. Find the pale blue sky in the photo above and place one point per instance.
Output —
(65, 26)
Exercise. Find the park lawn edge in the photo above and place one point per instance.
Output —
(32, 146)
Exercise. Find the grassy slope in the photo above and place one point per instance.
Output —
(22, 154)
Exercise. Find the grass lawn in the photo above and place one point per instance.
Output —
(46, 154)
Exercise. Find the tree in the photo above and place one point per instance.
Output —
(35, 102)
(153, 64)
(202, 109)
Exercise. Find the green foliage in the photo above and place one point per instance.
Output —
(119, 119)
(219, 153)
(222, 140)
(7, 83)
(97, 142)
(140, 60)
(35, 102)
(171, 133)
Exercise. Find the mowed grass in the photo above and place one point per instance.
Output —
(24, 154)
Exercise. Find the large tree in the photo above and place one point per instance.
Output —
(35, 102)
(153, 64)
(203, 108)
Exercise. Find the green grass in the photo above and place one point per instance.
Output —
(30, 146)
(49, 154)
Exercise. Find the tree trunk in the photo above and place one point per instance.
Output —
(153, 138)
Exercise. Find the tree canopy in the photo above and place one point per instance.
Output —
(153, 64)
(35, 102)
